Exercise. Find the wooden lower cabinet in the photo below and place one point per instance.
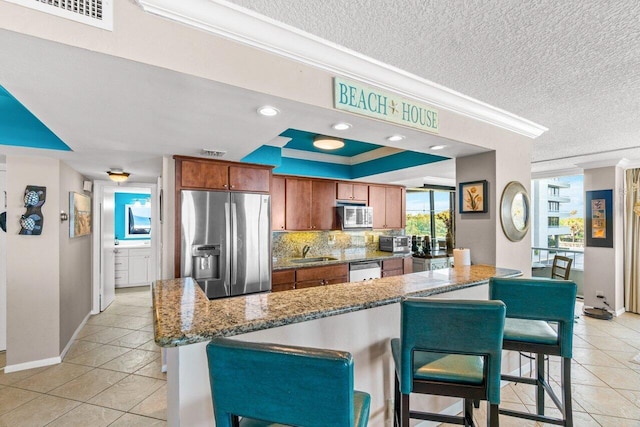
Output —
(309, 277)
(408, 264)
(393, 267)
(283, 280)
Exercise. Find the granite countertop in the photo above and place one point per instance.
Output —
(343, 257)
(434, 254)
(183, 314)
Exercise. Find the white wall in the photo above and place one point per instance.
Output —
(482, 232)
(75, 263)
(33, 272)
(604, 267)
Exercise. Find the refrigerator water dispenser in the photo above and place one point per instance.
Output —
(206, 261)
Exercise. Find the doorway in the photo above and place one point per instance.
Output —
(125, 253)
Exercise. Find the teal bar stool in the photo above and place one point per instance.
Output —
(268, 385)
(448, 348)
(531, 305)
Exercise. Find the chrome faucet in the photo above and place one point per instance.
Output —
(305, 250)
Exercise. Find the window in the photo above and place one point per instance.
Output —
(137, 220)
(554, 221)
(430, 213)
(554, 206)
(554, 191)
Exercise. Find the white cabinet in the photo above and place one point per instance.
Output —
(428, 264)
(132, 267)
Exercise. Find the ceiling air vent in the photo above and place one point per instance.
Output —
(213, 153)
(97, 13)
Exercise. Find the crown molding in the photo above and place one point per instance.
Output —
(606, 163)
(236, 23)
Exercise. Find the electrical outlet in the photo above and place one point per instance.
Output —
(599, 294)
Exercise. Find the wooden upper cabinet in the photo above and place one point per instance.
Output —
(278, 203)
(323, 202)
(212, 175)
(249, 179)
(377, 200)
(298, 204)
(393, 207)
(353, 192)
(388, 206)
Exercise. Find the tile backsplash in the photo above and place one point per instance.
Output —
(333, 243)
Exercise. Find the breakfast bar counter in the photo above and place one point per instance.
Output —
(184, 315)
(358, 317)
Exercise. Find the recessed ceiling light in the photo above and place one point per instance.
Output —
(341, 126)
(268, 111)
(437, 147)
(327, 142)
(395, 138)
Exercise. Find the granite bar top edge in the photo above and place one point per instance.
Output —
(192, 321)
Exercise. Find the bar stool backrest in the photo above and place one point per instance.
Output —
(453, 327)
(539, 299)
(282, 384)
(561, 268)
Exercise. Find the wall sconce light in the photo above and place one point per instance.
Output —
(117, 175)
(63, 216)
(327, 142)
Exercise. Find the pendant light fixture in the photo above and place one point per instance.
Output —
(118, 175)
(327, 142)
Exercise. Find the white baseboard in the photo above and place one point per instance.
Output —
(75, 334)
(32, 364)
(52, 360)
(620, 312)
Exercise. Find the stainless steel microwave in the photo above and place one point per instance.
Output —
(354, 217)
(395, 243)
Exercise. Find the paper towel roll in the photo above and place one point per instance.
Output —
(461, 256)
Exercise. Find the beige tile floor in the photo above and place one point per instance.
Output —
(606, 385)
(110, 376)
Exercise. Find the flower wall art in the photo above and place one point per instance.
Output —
(474, 197)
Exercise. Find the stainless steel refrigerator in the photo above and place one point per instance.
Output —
(226, 242)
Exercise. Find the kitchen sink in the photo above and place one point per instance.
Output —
(313, 259)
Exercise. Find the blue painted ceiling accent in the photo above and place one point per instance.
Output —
(19, 127)
(301, 140)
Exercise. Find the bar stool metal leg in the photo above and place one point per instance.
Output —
(565, 372)
(539, 386)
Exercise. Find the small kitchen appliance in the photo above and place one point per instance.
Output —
(395, 244)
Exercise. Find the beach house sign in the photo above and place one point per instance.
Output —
(367, 101)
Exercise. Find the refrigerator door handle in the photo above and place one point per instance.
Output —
(234, 236)
(227, 231)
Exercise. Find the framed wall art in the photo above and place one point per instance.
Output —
(80, 208)
(599, 218)
(474, 197)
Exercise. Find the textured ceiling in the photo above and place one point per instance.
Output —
(572, 66)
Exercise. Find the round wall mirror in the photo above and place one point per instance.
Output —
(514, 211)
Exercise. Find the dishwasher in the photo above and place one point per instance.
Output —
(364, 270)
